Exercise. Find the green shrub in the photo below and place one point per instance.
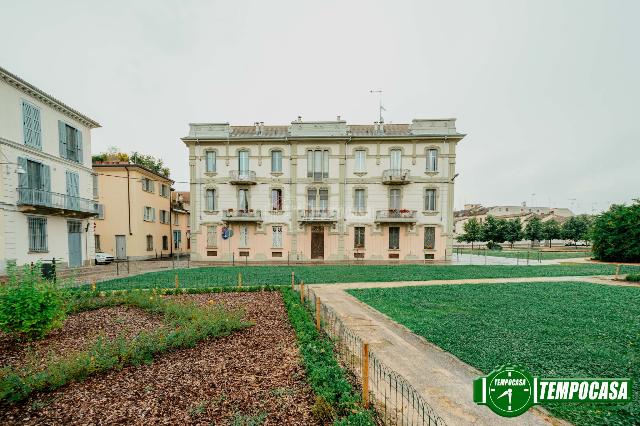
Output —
(616, 234)
(493, 246)
(30, 306)
(633, 277)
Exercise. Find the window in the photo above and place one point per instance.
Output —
(430, 200)
(149, 214)
(432, 160)
(359, 201)
(243, 199)
(276, 161)
(100, 211)
(318, 199)
(360, 163)
(318, 164)
(430, 237)
(70, 140)
(276, 236)
(164, 216)
(177, 239)
(212, 236)
(243, 163)
(358, 237)
(37, 234)
(394, 198)
(149, 242)
(276, 199)
(164, 190)
(176, 219)
(210, 158)
(210, 199)
(395, 158)
(96, 241)
(31, 125)
(244, 236)
(165, 242)
(95, 186)
(73, 191)
(394, 238)
(148, 185)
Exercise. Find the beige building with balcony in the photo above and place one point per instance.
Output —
(139, 215)
(323, 190)
(46, 205)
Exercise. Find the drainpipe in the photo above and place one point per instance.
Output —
(128, 198)
(170, 224)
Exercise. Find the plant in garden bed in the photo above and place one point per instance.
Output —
(633, 277)
(185, 325)
(336, 400)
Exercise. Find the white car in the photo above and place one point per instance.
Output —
(103, 258)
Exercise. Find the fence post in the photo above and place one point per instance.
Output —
(293, 279)
(365, 374)
(93, 285)
(485, 256)
(177, 281)
(302, 292)
(239, 279)
(318, 314)
(528, 257)
(117, 268)
(617, 271)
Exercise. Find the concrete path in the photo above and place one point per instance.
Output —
(443, 380)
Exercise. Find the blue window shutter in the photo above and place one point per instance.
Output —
(68, 181)
(46, 178)
(79, 142)
(62, 135)
(25, 123)
(23, 178)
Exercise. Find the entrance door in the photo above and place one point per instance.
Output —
(317, 242)
(74, 230)
(121, 247)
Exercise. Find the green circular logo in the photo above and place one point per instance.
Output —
(509, 391)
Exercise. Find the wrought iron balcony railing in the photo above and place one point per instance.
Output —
(318, 215)
(396, 176)
(396, 215)
(242, 177)
(55, 203)
(231, 215)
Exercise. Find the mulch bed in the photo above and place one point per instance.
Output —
(78, 332)
(254, 373)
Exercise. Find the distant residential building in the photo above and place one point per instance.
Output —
(46, 205)
(135, 219)
(323, 190)
(180, 231)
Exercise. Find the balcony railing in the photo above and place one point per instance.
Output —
(231, 215)
(395, 215)
(53, 203)
(317, 215)
(396, 176)
(240, 177)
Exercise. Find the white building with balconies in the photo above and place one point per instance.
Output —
(46, 190)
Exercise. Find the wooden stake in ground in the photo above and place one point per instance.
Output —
(239, 279)
(293, 279)
(177, 281)
(302, 292)
(617, 272)
(318, 313)
(365, 375)
(93, 285)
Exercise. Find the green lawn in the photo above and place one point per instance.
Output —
(533, 254)
(553, 329)
(275, 275)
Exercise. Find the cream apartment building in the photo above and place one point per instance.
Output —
(46, 205)
(323, 190)
(135, 212)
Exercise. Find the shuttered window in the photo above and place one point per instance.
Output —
(31, 126)
(276, 236)
(430, 237)
(100, 211)
(37, 234)
(177, 239)
(430, 200)
(149, 242)
(358, 201)
(210, 199)
(73, 190)
(70, 141)
(212, 236)
(210, 158)
(244, 236)
(432, 160)
(95, 185)
(149, 214)
(148, 185)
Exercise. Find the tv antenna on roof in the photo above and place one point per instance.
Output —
(380, 107)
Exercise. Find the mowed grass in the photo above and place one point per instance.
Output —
(553, 329)
(533, 254)
(281, 275)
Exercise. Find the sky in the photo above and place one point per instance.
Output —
(546, 91)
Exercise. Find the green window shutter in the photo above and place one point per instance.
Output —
(79, 142)
(62, 137)
(23, 178)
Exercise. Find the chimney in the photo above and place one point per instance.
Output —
(338, 118)
(381, 128)
(299, 119)
(257, 127)
(375, 127)
(261, 127)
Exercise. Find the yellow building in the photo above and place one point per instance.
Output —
(134, 212)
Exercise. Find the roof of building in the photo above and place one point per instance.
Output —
(186, 196)
(122, 164)
(32, 90)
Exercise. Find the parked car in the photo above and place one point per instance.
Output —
(103, 258)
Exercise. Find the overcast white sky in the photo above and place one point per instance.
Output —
(547, 91)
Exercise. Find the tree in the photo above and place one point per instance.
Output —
(472, 232)
(150, 162)
(577, 228)
(551, 230)
(616, 233)
(493, 231)
(533, 230)
(513, 231)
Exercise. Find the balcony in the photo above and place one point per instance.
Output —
(250, 215)
(317, 216)
(242, 177)
(395, 216)
(396, 177)
(54, 204)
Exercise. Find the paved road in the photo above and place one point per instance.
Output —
(443, 380)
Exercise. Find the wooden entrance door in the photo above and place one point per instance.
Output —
(317, 242)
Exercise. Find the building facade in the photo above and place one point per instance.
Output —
(46, 205)
(314, 191)
(135, 212)
(181, 227)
